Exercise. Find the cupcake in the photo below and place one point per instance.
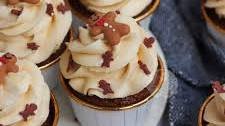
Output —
(139, 9)
(213, 110)
(111, 71)
(24, 96)
(34, 29)
(214, 15)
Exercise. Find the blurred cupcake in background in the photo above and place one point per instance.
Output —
(212, 112)
(25, 98)
(214, 15)
(34, 29)
(139, 9)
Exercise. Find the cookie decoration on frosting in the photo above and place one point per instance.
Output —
(111, 29)
(149, 41)
(107, 58)
(106, 87)
(13, 2)
(144, 67)
(216, 85)
(29, 111)
(8, 64)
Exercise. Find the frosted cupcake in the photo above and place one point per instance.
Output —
(139, 9)
(34, 29)
(24, 96)
(214, 15)
(213, 110)
(112, 71)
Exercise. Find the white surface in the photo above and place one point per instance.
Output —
(66, 114)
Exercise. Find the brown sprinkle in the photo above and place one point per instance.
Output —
(144, 67)
(32, 46)
(50, 9)
(62, 8)
(149, 41)
(106, 87)
(29, 111)
(16, 12)
(107, 58)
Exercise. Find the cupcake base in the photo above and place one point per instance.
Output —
(81, 12)
(201, 121)
(53, 117)
(130, 113)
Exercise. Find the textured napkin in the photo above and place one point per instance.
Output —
(192, 55)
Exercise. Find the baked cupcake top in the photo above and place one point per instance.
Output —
(33, 29)
(126, 7)
(215, 110)
(218, 5)
(112, 58)
(24, 96)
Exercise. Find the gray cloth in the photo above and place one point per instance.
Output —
(191, 54)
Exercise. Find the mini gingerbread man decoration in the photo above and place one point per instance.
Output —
(7, 65)
(13, 2)
(112, 30)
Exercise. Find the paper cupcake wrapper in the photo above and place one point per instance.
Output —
(49, 68)
(217, 33)
(132, 115)
(53, 116)
(82, 13)
(201, 121)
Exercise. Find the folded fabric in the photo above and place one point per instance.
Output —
(190, 51)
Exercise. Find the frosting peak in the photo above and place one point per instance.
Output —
(218, 5)
(21, 103)
(215, 110)
(33, 31)
(110, 71)
(126, 7)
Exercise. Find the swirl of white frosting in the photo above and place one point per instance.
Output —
(126, 7)
(218, 5)
(214, 112)
(124, 74)
(24, 87)
(33, 25)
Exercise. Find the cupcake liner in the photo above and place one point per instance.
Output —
(215, 30)
(49, 67)
(82, 13)
(201, 121)
(132, 115)
(53, 116)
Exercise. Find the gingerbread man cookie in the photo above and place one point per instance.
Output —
(13, 2)
(112, 30)
(7, 65)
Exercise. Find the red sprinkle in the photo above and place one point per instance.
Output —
(106, 87)
(29, 111)
(107, 58)
(144, 67)
(100, 22)
(3, 60)
(148, 42)
(216, 85)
